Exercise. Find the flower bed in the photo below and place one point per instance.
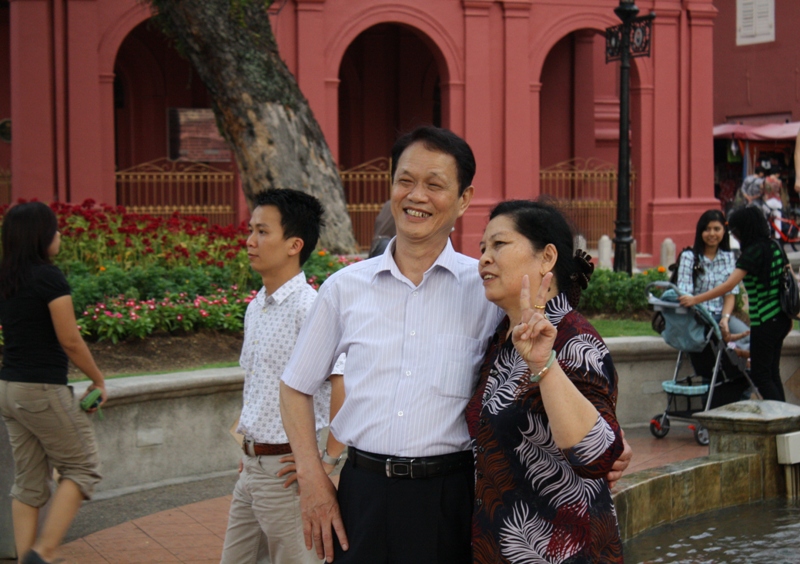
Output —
(134, 274)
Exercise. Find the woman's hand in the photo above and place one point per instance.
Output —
(103, 395)
(688, 301)
(534, 336)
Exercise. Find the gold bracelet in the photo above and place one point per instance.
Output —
(536, 377)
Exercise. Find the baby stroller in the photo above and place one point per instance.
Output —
(722, 377)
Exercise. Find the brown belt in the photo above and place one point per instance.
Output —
(262, 449)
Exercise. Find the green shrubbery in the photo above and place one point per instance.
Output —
(617, 293)
(132, 275)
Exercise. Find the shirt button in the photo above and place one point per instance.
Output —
(415, 293)
(413, 333)
(479, 502)
(481, 449)
(399, 413)
(408, 373)
(482, 422)
(479, 475)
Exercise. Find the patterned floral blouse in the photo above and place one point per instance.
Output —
(533, 501)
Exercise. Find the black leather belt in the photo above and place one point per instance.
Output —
(405, 467)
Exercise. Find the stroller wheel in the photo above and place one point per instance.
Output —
(701, 435)
(659, 426)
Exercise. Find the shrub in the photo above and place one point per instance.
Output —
(617, 293)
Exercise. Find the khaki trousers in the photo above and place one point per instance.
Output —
(46, 429)
(264, 524)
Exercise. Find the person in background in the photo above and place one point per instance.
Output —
(751, 186)
(709, 264)
(773, 188)
(542, 419)
(46, 427)
(264, 518)
(759, 266)
(384, 230)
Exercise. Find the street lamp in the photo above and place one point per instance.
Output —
(629, 39)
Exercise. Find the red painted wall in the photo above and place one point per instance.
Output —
(761, 79)
(491, 57)
(5, 81)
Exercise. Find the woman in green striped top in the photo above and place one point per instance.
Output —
(760, 266)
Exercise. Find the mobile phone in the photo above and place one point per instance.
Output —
(92, 400)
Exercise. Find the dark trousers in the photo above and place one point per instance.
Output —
(404, 521)
(766, 341)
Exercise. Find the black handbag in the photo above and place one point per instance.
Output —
(789, 292)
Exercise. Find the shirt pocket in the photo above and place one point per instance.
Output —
(458, 361)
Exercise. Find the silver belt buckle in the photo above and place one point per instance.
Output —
(392, 468)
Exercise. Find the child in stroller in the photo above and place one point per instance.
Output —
(720, 375)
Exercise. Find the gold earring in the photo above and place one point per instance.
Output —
(542, 273)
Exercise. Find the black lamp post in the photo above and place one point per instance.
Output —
(624, 41)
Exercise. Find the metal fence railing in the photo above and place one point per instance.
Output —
(585, 190)
(366, 188)
(162, 187)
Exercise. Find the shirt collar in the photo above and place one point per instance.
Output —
(447, 259)
(286, 290)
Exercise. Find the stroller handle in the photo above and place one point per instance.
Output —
(667, 285)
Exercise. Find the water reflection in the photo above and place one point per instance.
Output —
(767, 531)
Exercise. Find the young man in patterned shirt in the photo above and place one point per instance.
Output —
(265, 511)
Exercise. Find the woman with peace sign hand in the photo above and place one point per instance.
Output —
(542, 419)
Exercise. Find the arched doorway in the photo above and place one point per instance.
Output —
(390, 82)
(169, 154)
(579, 133)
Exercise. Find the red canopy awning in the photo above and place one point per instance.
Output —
(768, 132)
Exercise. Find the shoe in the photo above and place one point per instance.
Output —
(32, 557)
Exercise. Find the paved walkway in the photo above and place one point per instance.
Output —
(193, 534)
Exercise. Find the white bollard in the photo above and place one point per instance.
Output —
(667, 252)
(579, 243)
(604, 253)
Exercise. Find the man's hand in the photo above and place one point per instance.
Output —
(320, 511)
(621, 463)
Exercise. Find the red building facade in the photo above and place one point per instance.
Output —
(90, 83)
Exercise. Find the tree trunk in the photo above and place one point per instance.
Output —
(260, 110)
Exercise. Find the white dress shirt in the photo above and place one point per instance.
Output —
(413, 352)
(271, 325)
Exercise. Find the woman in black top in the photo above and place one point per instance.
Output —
(45, 425)
(760, 267)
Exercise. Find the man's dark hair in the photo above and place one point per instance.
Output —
(301, 216)
(28, 231)
(759, 170)
(442, 141)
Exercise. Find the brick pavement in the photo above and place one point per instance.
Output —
(193, 534)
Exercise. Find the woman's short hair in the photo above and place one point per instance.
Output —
(542, 224)
(707, 217)
(28, 231)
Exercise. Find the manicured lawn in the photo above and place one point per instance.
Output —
(622, 328)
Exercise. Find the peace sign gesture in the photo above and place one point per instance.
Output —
(534, 336)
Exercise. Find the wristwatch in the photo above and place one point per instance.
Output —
(328, 459)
